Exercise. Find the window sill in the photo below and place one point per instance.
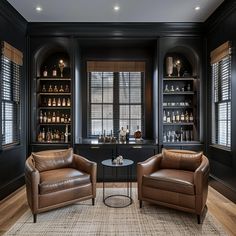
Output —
(224, 148)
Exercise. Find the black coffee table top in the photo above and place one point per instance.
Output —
(126, 162)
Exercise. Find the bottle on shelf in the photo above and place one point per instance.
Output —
(45, 72)
(68, 102)
(173, 117)
(127, 133)
(48, 136)
(40, 139)
(49, 102)
(44, 102)
(66, 118)
(54, 104)
(67, 89)
(62, 137)
(41, 117)
(164, 137)
(54, 71)
(53, 117)
(62, 118)
(177, 117)
(166, 89)
(186, 117)
(43, 135)
(63, 102)
(164, 116)
(172, 88)
(181, 135)
(50, 90)
(55, 90)
(59, 102)
(138, 133)
(122, 135)
(168, 119)
(182, 118)
(45, 119)
(58, 118)
(44, 89)
(188, 87)
(191, 117)
(61, 90)
(49, 117)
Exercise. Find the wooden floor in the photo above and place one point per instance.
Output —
(220, 207)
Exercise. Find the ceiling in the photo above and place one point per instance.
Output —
(102, 10)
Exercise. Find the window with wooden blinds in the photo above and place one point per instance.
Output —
(115, 96)
(221, 95)
(11, 74)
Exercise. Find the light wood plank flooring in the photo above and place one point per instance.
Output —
(220, 207)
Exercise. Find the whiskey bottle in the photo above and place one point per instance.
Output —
(177, 117)
(44, 89)
(138, 133)
(54, 71)
(43, 135)
(66, 118)
(59, 102)
(182, 117)
(186, 116)
(55, 90)
(58, 118)
(61, 90)
(164, 116)
(63, 102)
(168, 120)
(191, 117)
(45, 119)
(50, 90)
(62, 118)
(49, 117)
(53, 117)
(173, 117)
(68, 102)
(49, 102)
(45, 72)
(54, 104)
(41, 117)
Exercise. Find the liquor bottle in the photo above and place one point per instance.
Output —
(55, 90)
(54, 71)
(62, 137)
(138, 133)
(68, 102)
(164, 137)
(49, 102)
(181, 135)
(43, 134)
(164, 116)
(177, 117)
(127, 133)
(45, 118)
(67, 90)
(58, 118)
(45, 72)
(182, 117)
(168, 120)
(41, 117)
(173, 117)
(166, 89)
(186, 116)
(188, 87)
(63, 102)
(48, 136)
(44, 89)
(69, 120)
(61, 90)
(66, 118)
(40, 139)
(54, 104)
(53, 117)
(57, 135)
(62, 118)
(191, 117)
(49, 117)
(45, 102)
(59, 102)
(50, 90)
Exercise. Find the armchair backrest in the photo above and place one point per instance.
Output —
(52, 159)
(180, 160)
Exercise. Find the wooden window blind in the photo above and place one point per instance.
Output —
(115, 96)
(11, 74)
(221, 95)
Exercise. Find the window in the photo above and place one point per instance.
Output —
(11, 71)
(115, 96)
(221, 95)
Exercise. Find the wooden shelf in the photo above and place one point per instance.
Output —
(177, 107)
(179, 93)
(178, 78)
(53, 124)
(185, 143)
(179, 124)
(56, 108)
(49, 94)
(54, 78)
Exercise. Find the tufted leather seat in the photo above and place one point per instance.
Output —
(57, 178)
(175, 178)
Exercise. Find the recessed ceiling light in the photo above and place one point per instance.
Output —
(197, 8)
(116, 8)
(38, 9)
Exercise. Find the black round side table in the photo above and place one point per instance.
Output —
(126, 164)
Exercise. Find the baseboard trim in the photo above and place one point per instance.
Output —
(222, 188)
(12, 186)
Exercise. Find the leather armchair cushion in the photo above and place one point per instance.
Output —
(61, 179)
(180, 161)
(178, 181)
(52, 159)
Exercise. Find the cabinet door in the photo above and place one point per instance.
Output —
(137, 153)
(97, 153)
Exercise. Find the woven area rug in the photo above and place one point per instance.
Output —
(84, 219)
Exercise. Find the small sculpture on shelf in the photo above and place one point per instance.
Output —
(169, 66)
(61, 66)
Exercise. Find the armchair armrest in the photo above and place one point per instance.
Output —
(147, 167)
(201, 175)
(32, 179)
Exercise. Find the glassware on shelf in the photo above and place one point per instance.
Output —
(41, 117)
(177, 135)
(49, 102)
(45, 118)
(54, 104)
(67, 89)
(58, 118)
(178, 67)
(61, 66)
(191, 117)
(44, 89)
(53, 117)
(166, 89)
(169, 66)
(63, 102)
(172, 88)
(61, 90)
(177, 89)
(45, 72)
(50, 90)
(188, 87)
(168, 136)
(164, 116)
(55, 90)
(54, 71)
(68, 102)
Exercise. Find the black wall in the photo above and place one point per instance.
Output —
(221, 27)
(13, 30)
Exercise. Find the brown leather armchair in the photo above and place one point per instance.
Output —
(176, 179)
(57, 178)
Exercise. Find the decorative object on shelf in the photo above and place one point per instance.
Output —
(50, 90)
(188, 87)
(122, 135)
(178, 67)
(54, 71)
(45, 72)
(55, 90)
(138, 133)
(172, 88)
(61, 90)
(61, 66)
(166, 89)
(169, 66)
(118, 160)
(67, 90)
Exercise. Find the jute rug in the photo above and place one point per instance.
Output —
(84, 219)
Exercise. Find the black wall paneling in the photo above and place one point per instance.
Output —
(219, 28)
(13, 30)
